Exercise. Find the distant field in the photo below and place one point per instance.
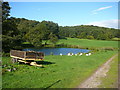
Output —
(59, 71)
(89, 43)
(85, 43)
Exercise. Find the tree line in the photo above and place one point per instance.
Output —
(15, 31)
(89, 32)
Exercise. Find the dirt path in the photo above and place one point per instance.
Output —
(94, 80)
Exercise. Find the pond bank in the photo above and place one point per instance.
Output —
(81, 47)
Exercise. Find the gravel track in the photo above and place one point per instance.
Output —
(95, 79)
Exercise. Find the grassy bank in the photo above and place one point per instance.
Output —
(89, 43)
(111, 80)
(58, 71)
(79, 43)
(95, 45)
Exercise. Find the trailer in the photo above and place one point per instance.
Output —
(27, 57)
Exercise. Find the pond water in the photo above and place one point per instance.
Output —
(57, 51)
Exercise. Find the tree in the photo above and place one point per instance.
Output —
(9, 27)
(51, 27)
(89, 31)
(41, 32)
(10, 34)
(82, 35)
(36, 35)
(5, 10)
(24, 25)
(10, 43)
(53, 38)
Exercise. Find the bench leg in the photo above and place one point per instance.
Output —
(14, 60)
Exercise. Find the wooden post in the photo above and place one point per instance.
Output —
(13, 60)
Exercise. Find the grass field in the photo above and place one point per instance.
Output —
(58, 71)
(89, 43)
(111, 80)
(83, 43)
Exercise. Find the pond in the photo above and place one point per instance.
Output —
(57, 51)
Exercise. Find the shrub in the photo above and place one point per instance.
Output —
(90, 37)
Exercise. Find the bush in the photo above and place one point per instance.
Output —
(90, 37)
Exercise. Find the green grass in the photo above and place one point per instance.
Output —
(84, 43)
(111, 80)
(89, 43)
(70, 71)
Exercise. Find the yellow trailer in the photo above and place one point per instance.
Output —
(26, 56)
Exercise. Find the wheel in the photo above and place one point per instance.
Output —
(14, 60)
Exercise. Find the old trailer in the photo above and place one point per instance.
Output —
(26, 56)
